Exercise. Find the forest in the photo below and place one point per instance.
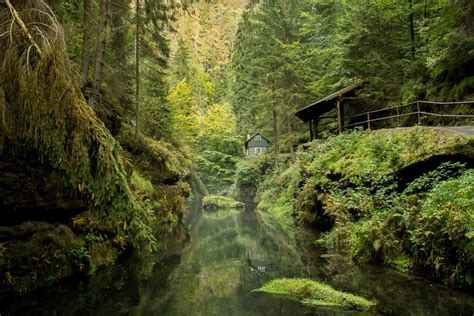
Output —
(124, 162)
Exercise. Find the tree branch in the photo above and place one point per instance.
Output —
(23, 27)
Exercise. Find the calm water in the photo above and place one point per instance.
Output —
(213, 270)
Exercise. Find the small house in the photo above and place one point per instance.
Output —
(256, 144)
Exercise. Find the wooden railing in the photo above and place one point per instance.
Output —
(417, 112)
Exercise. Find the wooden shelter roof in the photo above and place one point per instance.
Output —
(324, 105)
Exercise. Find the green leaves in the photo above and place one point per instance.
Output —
(350, 181)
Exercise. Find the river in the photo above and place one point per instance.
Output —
(213, 269)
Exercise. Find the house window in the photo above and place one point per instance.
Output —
(258, 137)
(258, 151)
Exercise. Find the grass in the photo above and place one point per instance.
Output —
(314, 294)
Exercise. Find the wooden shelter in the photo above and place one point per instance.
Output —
(314, 112)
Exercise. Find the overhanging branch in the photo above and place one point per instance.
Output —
(23, 27)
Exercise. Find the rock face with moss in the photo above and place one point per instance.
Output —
(401, 197)
(74, 196)
(315, 294)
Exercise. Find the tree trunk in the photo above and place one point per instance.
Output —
(99, 53)
(412, 29)
(137, 66)
(275, 133)
(119, 58)
(86, 42)
(290, 135)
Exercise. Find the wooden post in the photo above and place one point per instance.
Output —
(368, 121)
(310, 130)
(398, 116)
(343, 116)
(339, 118)
(316, 132)
(418, 112)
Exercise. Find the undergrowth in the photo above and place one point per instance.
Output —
(349, 185)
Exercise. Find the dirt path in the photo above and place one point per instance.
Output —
(463, 130)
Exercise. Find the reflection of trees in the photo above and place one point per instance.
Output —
(230, 255)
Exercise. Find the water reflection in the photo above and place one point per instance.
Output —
(228, 254)
(227, 258)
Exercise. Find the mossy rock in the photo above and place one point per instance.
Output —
(35, 254)
(155, 159)
(214, 202)
(31, 191)
(101, 255)
(315, 294)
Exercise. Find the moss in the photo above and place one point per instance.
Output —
(443, 237)
(399, 197)
(277, 196)
(249, 174)
(214, 202)
(37, 254)
(402, 263)
(170, 202)
(101, 254)
(314, 294)
(161, 163)
(50, 121)
(142, 188)
(46, 119)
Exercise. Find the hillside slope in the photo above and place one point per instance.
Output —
(402, 198)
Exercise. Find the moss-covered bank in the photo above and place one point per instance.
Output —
(124, 189)
(402, 198)
(214, 202)
(46, 242)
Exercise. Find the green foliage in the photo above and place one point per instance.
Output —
(250, 173)
(285, 57)
(216, 170)
(426, 182)
(278, 195)
(219, 149)
(204, 129)
(315, 294)
(443, 237)
(268, 86)
(349, 184)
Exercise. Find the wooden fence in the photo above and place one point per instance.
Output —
(426, 113)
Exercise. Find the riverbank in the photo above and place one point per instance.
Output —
(402, 198)
(49, 232)
(80, 187)
(215, 268)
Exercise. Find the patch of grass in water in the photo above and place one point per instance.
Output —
(314, 294)
(214, 202)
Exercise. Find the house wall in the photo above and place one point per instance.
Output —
(252, 151)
